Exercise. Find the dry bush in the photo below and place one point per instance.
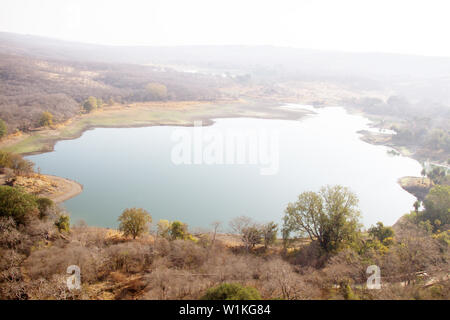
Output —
(185, 254)
(54, 288)
(128, 257)
(131, 290)
(346, 264)
(10, 237)
(13, 290)
(161, 247)
(311, 255)
(228, 267)
(415, 251)
(280, 280)
(11, 278)
(48, 262)
(164, 283)
(89, 236)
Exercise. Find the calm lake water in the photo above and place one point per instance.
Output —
(134, 167)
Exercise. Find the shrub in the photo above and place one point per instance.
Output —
(381, 232)
(50, 261)
(186, 254)
(9, 235)
(46, 119)
(251, 236)
(44, 205)
(63, 223)
(15, 162)
(129, 257)
(17, 204)
(231, 291)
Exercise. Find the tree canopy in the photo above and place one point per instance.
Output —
(46, 119)
(437, 206)
(134, 222)
(178, 230)
(90, 104)
(17, 204)
(330, 216)
(15, 162)
(380, 232)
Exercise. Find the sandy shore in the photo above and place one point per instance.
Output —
(55, 188)
(66, 189)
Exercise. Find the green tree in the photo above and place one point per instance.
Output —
(134, 222)
(15, 162)
(63, 223)
(437, 207)
(90, 104)
(17, 204)
(3, 128)
(231, 291)
(46, 119)
(437, 175)
(163, 228)
(178, 230)
(381, 232)
(331, 217)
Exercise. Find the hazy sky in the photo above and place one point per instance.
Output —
(401, 26)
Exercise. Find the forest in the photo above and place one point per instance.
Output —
(30, 86)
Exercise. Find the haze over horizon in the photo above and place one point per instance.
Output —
(405, 27)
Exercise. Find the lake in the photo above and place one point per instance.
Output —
(154, 168)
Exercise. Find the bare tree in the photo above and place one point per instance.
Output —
(216, 225)
(249, 231)
(240, 223)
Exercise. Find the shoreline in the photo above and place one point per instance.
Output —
(203, 111)
(70, 190)
(173, 114)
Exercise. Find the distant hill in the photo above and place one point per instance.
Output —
(35, 76)
(311, 62)
(38, 73)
